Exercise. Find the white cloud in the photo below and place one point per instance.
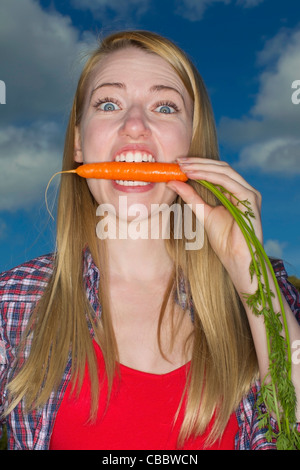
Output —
(40, 59)
(274, 248)
(123, 8)
(29, 157)
(276, 155)
(269, 135)
(282, 68)
(249, 3)
(39, 53)
(193, 10)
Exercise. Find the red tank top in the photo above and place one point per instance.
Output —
(140, 415)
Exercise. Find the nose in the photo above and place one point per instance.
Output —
(135, 124)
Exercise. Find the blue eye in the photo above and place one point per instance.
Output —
(166, 108)
(109, 106)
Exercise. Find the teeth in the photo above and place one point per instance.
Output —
(131, 183)
(134, 157)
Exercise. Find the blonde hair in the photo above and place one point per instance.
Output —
(223, 363)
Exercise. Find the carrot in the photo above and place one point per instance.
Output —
(132, 171)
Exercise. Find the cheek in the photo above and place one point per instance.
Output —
(95, 135)
(176, 140)
(98, 190)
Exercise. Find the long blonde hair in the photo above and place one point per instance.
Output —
(223, 361)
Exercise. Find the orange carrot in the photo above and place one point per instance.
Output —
(132, 171)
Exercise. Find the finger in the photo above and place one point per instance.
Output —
(230, 180)
(199, 159)
(191, 164)
(191, 197)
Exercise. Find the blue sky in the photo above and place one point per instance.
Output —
(247, 51)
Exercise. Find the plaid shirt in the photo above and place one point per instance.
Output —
(20, 290)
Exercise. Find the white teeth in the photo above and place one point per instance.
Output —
(134, 157)
(131, 183)
(129, 157)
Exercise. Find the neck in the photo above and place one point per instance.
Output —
(136, 248)
(141, 260)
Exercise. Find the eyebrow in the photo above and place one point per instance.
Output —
(153, 89)
(108, 84)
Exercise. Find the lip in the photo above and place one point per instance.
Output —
(132, 189)
(134, 148)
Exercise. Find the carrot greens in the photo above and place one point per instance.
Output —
(277, 396)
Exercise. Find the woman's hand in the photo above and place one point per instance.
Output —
(222, 230)
(229, 244)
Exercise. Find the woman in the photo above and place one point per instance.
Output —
(128, 343)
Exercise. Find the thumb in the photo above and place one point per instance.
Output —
(200, 208)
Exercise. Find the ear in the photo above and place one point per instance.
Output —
(77, 146)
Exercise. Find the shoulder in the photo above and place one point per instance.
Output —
(29, 278)
(291, 294)
(20, 290)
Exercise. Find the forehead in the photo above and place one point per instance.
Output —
(136, 67)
